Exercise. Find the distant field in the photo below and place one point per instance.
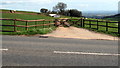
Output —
(113, 18)
(24, 16)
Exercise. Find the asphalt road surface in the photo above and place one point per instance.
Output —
(35, 51)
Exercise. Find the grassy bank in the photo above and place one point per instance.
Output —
(24, 15)
(31, 32)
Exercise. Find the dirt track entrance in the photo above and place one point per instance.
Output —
(79, 33)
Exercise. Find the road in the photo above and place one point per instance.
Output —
(35, 51)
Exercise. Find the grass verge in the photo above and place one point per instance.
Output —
(101, 31)
(31, 32)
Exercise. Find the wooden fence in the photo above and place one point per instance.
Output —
(25, 25)
(79, 22)
(107, 24)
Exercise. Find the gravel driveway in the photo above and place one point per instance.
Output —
(79, 33)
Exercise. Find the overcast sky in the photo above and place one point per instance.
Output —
(82, 5)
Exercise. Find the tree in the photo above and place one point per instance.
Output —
(66, 13)
(75, 13)
(48, 11)
(60, 7)
(43, 10)
(55, 9)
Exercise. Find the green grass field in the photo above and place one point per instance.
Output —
(31, 30)
(25, 16)
(47, 29)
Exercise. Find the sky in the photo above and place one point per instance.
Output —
(81, 5)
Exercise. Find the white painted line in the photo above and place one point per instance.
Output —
(86, 53)
(3, 49)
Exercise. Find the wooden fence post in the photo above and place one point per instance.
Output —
(14, 25)
(83, 22)
(35, 24)
(107, 25)
(78, 22)
(43, 23)
(26, 25)
(119, 28)
(89, 23)
(49, 24)
(97, 25)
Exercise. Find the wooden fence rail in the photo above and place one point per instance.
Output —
(82, 22)
(26, 22)
(106, 24)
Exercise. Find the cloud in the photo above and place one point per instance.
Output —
(83, 5)
(72, 4)
(24, 1)
(10, 2)
(39, 1)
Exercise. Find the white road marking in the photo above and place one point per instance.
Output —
(86, 53)
(3, 49)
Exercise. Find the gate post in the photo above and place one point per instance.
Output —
(107, 25)
(81, 22)
(14, 25)
(119, 28)
(97, 25)
(26, 25)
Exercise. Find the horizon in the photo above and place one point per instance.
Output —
(81, 5)
(83, 12)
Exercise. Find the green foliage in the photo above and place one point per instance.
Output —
(60, 7)
(36, 31)
(75, 13)
(43, 10)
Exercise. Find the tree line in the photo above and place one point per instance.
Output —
(60, 8)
